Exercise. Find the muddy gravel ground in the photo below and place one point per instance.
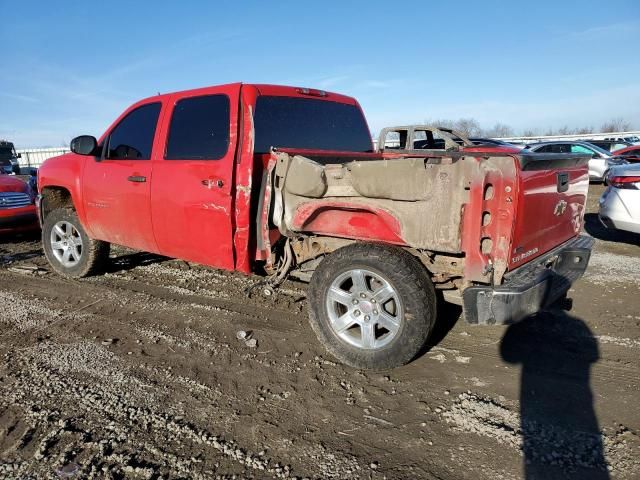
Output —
(140, 373)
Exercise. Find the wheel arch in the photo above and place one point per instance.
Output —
(348, 220)
(53, 197)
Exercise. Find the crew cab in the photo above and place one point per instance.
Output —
(284, 181)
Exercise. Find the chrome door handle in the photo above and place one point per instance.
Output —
(137, 179)
(213, 183)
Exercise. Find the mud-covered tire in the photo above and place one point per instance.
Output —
(93, 253)
(387, 266)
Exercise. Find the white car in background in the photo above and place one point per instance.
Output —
(601, 160)
(620, 202)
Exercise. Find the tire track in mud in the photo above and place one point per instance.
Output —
(158, 299)
(155, 321)
(123, 414)
(51, 372)
(256, 315)
(327, 456)
(605, 370)
(554, 445)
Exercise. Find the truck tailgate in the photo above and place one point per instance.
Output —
(551, 197)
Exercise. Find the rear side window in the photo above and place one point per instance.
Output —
(580, 149)
(199, 128)
(309, 123)
(555, 148)
(544, 149)
(132, 138)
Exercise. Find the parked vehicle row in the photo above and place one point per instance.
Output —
(600, 163)
(632, 139)
(284, 180)
(601, 159)
(609, 145)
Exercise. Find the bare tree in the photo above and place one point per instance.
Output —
(618, 124)
(469, 127)
(499, 130)
(441, 122)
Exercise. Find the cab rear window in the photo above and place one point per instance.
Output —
(310, 124)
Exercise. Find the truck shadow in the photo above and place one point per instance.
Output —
(594, 228)
(131, 260)
(6, 238)
(8, 255)
(448, 315)
(560, 432)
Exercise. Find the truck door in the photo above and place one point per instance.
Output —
(116, 187)
(192, 188)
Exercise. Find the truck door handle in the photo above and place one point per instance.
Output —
(211, 183)
(137, 179)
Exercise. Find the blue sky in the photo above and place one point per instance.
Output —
(71, 67)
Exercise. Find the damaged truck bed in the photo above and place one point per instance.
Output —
(296, 188)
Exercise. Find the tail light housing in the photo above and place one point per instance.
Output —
(628, 183)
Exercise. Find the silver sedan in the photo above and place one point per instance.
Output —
(620, 202)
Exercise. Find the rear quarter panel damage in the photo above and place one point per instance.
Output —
(435, 204)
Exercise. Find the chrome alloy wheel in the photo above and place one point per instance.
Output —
(66, 244)
(364, 309)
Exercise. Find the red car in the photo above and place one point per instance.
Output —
(631, 154)
(285, 181)
(17, 205)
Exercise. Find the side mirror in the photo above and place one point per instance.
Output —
(19, 155)
(84, 145)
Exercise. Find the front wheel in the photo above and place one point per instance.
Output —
(372, 306)
(67, 246)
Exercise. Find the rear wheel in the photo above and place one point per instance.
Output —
(67, 246)
(372, 306)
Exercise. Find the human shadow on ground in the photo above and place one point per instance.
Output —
(561, 435)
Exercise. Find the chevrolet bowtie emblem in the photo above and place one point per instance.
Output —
(560, 208)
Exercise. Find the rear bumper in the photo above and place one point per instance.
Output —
(529, 288)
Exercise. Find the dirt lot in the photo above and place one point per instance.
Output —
(139, 374)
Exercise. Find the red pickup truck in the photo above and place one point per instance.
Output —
(285, 181)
